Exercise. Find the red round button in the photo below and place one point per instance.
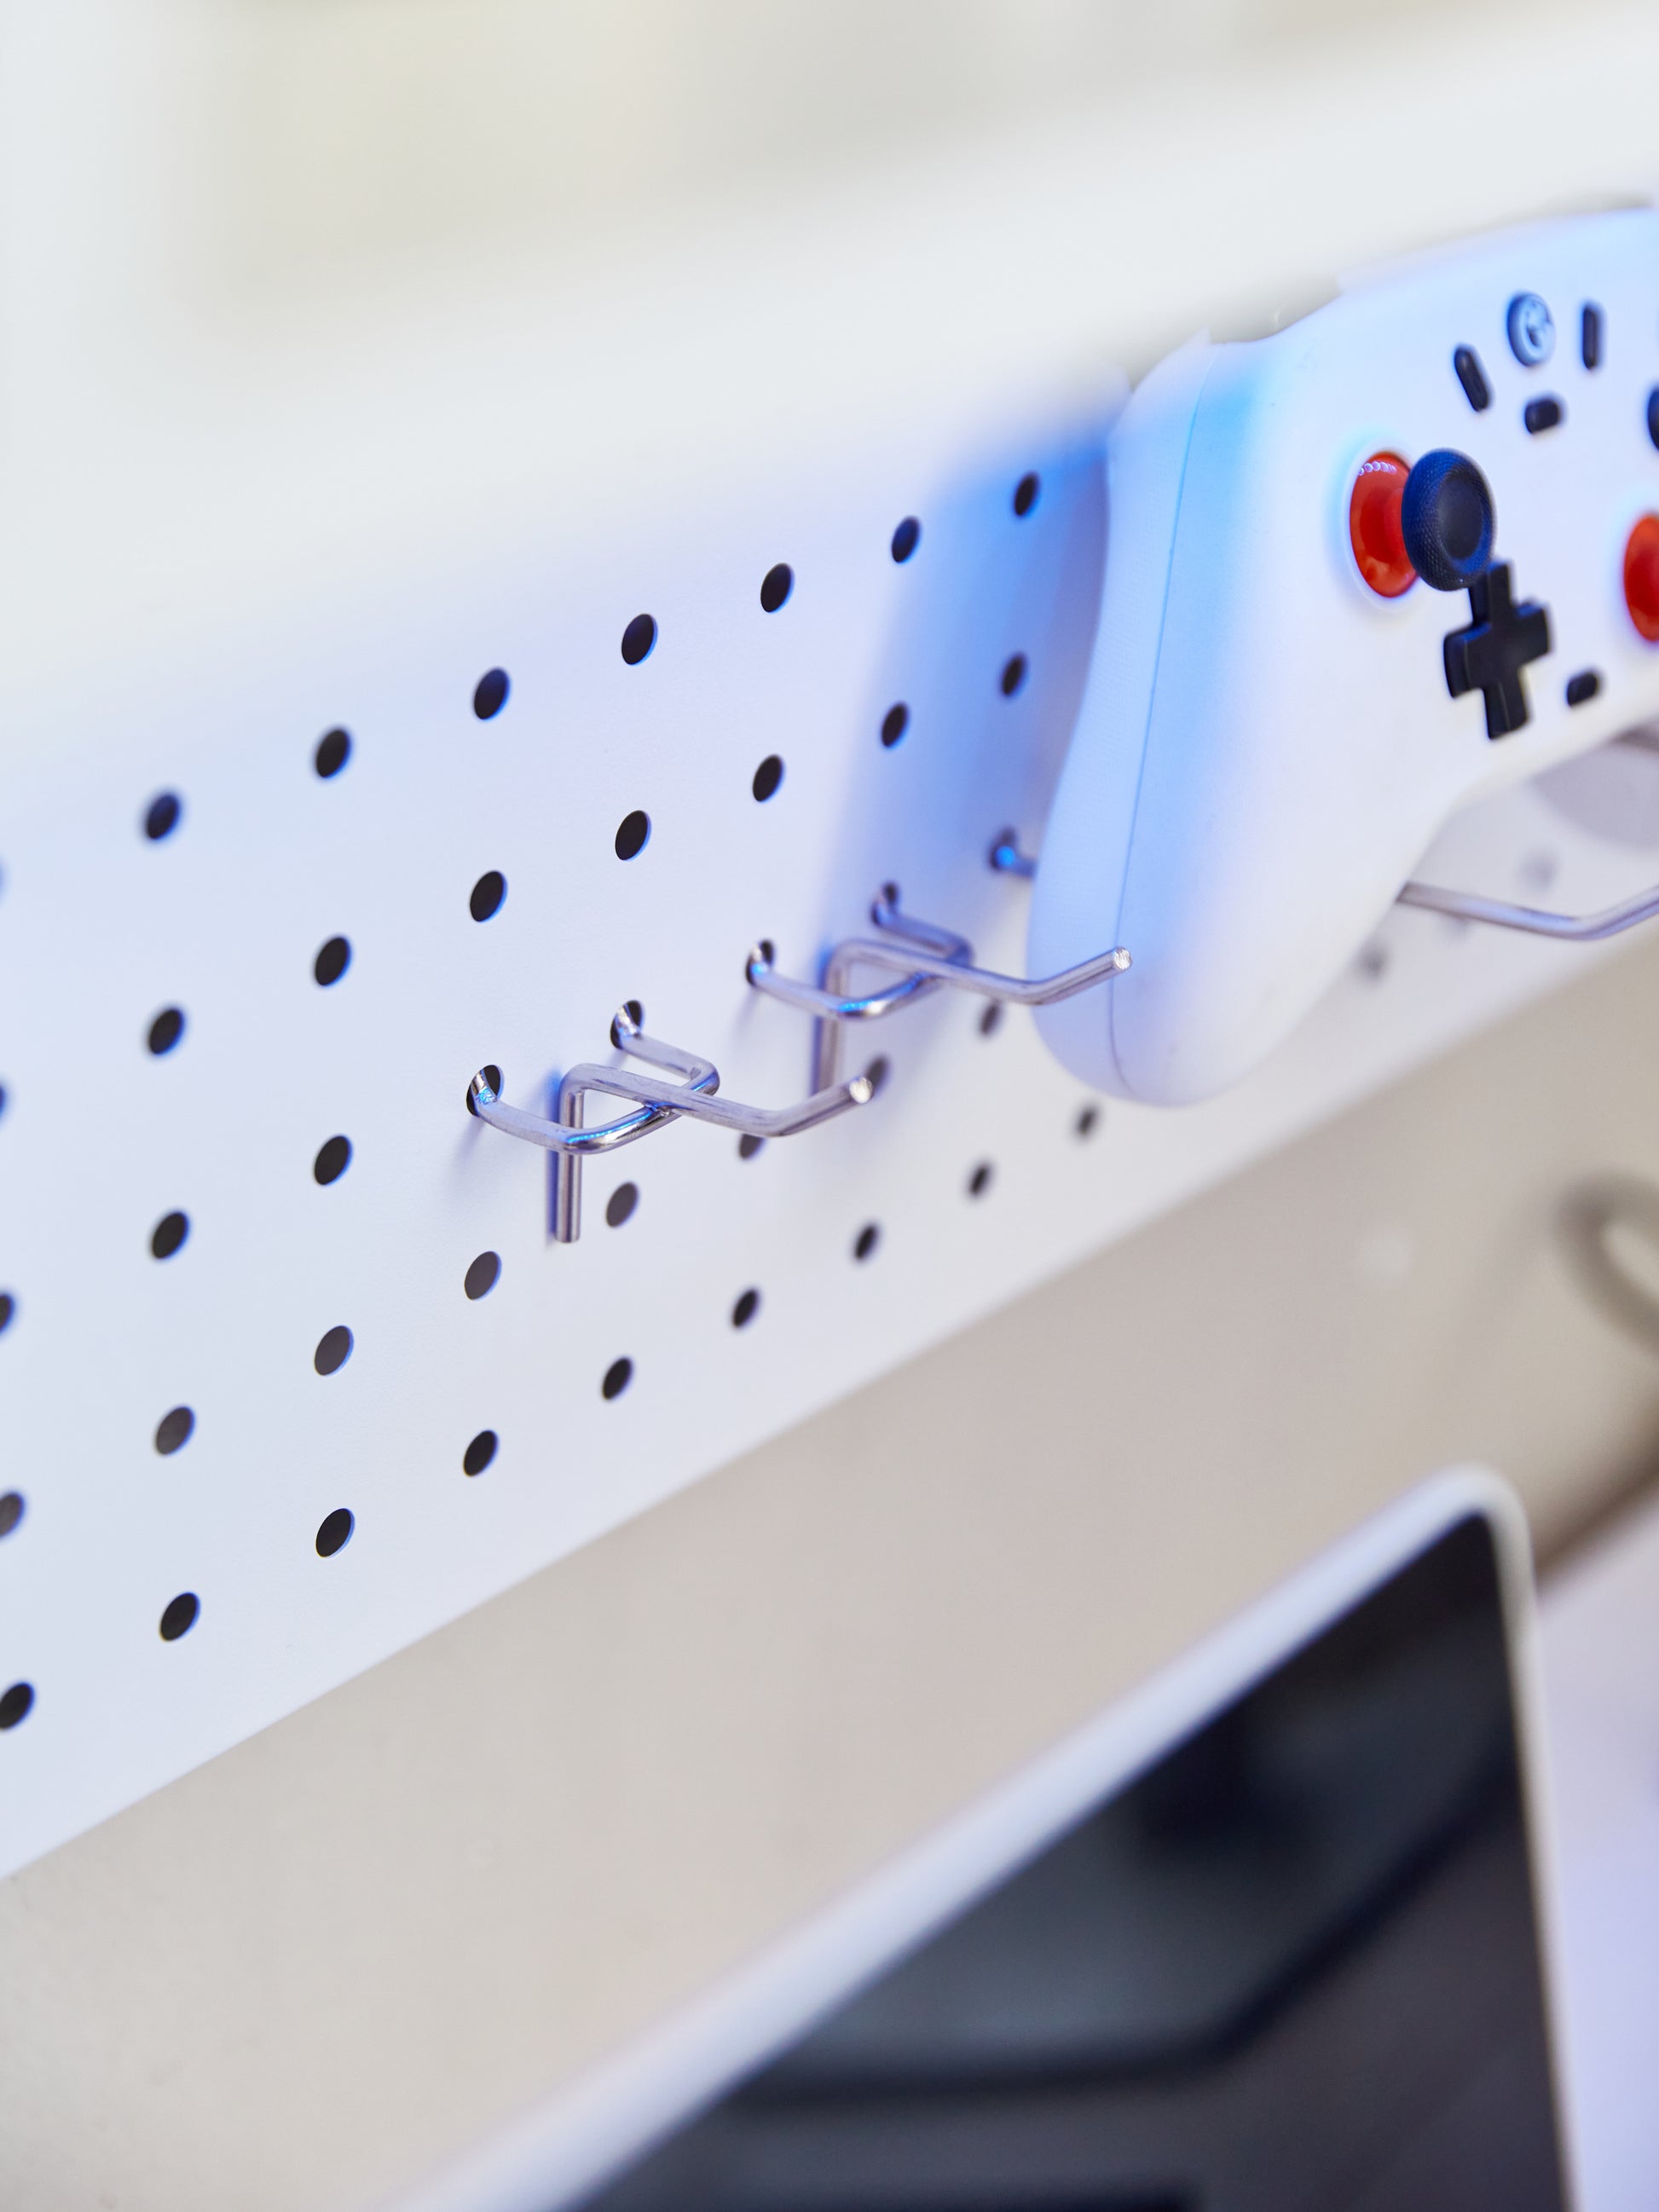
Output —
(1642, 576)
(1374, 531)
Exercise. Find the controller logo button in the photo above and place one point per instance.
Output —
(1642, 577)
(1489, 656)
(1374, 532)
(1532, 330)
(1446, 519)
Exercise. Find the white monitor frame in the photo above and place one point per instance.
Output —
(583, 2134)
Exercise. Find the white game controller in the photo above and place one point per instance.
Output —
(1358, 573)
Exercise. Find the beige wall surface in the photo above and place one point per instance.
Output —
(306, 304)
(365, 135)
(345, 1950)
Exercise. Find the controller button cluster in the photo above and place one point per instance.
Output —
(1489, 656)
(1446, 519)
(1532, 330)
(1642, 577)
(1583, 688)
(1589, 336)
(1374, 532)
(1541, 415)
(1473, 378)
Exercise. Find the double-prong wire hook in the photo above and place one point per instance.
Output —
(918, 956)
(923, 958)
(656, 1103)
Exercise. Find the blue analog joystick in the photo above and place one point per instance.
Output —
(1446, 520)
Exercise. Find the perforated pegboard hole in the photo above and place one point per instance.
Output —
(168, 1235)
(166, 1029)
(747, 1307)
(492, 1076)
(481, 1277)
(990, 1019)
(894, 723)
(335, 1531)
(333, 751)
(489, 694)
(479, 1453)
(877, 1073)
(768, 777)
(8, 1308)
(1088, 1120)
(487, 894)
(980, 1180)
(173, 1430)
(15, 1703)
(619, 1206)
(776, 586)
(162, 816)
(334, 1157)
(865, 1244)
(748, 1147)
(331, 962)
(1025, 493)
(333, 1350)
(638, 638)
(11, 1511)
(618, 1376)
(906, 539)
(1014, 669)
(179, 1616)
(633, 834)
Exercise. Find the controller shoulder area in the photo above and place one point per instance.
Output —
(1080, 879)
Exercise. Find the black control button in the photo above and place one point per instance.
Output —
(1583, 688)
(1473, 378)
(1541, 415)
(1653, 415)
(1589, 336)
(1446, 519)
(1489, 656)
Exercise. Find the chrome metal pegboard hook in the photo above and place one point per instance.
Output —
(658, 1103)
(1007, 860)
(925, 959)
(1535, 921)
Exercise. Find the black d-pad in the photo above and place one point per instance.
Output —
(1489, 655)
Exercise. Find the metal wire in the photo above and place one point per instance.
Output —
(691, 1095)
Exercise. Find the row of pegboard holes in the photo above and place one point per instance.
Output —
(161, 819)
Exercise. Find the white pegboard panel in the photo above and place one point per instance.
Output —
(102, 927)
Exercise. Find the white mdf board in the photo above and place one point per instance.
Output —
(224, 536)
(101, 928)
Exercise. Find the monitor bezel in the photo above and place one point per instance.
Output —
(604, 2120)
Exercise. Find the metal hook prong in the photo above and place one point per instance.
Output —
(1536, 922)
(656, 1102)
(926, 959)
(1005, 857)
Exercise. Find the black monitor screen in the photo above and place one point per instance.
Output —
(1293, 1967)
